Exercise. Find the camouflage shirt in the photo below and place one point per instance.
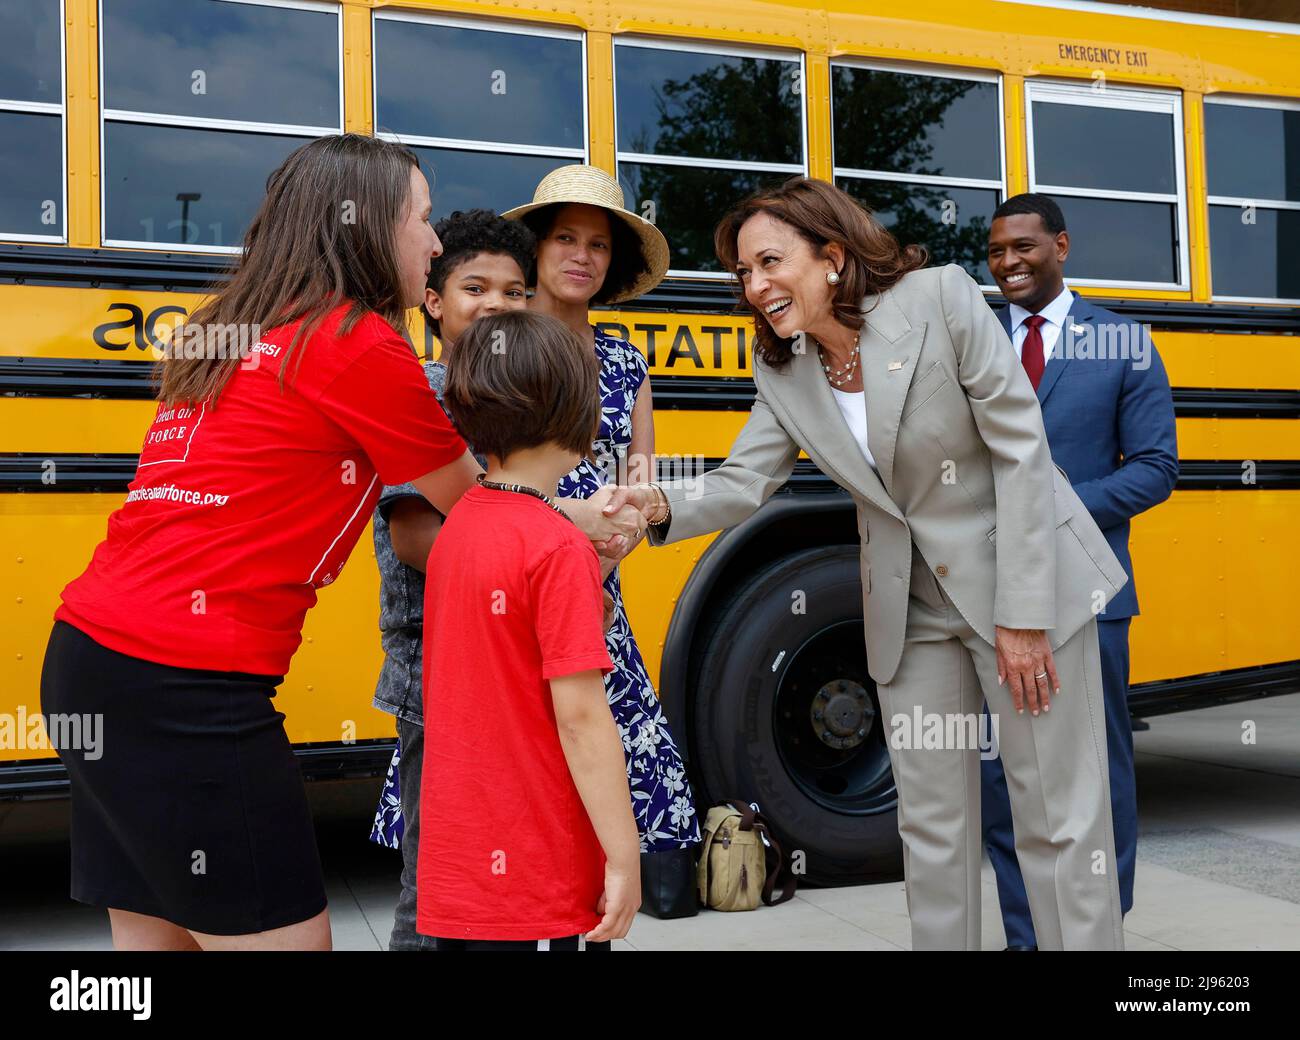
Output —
(401, 601)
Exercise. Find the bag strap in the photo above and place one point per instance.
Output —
(773, 859)
(747, 813)
(775, 863)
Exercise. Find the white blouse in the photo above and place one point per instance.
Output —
(853, 406)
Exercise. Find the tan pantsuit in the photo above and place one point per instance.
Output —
(965, 525)
(1063, 835)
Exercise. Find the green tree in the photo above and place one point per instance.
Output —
(748, 109)
(745, 109)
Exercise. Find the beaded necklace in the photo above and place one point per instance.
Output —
(521, 489)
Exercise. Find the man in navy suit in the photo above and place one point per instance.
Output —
(1109, 417)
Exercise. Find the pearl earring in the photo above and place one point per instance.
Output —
(832, 278)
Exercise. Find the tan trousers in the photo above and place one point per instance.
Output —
(1056, 776)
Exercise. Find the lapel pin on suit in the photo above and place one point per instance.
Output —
(895, 366)
(1075, 327)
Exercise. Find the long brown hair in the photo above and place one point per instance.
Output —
(821, 213)
(324, 234)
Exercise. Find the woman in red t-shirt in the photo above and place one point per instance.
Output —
(259, 473)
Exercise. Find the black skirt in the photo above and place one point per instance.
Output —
(187, 801)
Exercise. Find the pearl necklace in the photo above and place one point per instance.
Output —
(846, 370)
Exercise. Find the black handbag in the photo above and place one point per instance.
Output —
(668, 886)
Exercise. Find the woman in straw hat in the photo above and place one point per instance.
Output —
(591, 249)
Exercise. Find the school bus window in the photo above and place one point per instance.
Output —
(202, 101)
(237, 61)
(924, 152)
(489, 108)
(1113, 160)
(1252, 155)
(31, 121)
(167, 190)
(699, 127)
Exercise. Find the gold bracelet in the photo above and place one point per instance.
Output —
(653, 506)
(663, 503)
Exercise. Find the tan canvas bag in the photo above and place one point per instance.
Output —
(738, 869)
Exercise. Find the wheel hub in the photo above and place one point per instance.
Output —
(842, 713)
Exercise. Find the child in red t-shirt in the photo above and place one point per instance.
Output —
(527, 837)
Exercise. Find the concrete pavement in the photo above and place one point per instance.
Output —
(1218, 860)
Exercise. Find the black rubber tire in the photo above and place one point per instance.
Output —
(734, 743)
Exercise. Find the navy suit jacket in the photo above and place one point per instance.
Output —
(1110, 426)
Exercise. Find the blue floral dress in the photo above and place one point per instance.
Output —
(661, 797)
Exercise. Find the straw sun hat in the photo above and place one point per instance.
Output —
(594, 187)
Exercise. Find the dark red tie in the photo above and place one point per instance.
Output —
(1031, 351)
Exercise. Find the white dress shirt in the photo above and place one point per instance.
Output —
(1054, 316)
(853, 406)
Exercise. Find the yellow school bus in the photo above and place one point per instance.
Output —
(136, 136)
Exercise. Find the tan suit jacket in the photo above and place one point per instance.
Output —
(964, 471)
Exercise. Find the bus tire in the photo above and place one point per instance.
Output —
(785, 715)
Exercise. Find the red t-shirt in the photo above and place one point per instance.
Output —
(512, 599)
(240, 512)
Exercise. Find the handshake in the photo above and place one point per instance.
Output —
(615, 518)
